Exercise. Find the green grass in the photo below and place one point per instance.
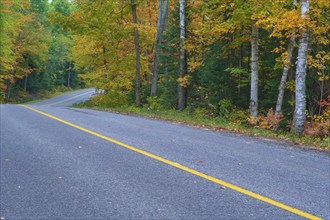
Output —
(214, 123)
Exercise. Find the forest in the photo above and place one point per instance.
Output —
(259, 63)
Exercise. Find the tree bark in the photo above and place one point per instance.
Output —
(182, 59)
(8, 90)
(137, 59)
(300, 107)
(321, 92)
(25, 82)
(69, 75)
(254, 73)
(286, 69)
(162, 15)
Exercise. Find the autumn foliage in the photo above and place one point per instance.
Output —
(91, 43)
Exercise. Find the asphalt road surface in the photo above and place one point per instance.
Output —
(59, 162)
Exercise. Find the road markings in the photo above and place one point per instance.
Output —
(65, 100)
(184, 168)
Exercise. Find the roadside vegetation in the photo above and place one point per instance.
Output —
(21, 96)
(227, 120)
(34, 52)
(256, 66)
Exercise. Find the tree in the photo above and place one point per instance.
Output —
(12, 19)
(103, 47)
(300, 107)
(162, 13)
(229, 54)
(286, 69)
(182, 59)
(137, 54)
(254, 73)
(27, 41)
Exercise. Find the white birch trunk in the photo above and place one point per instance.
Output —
(300, 107)
(182, 58)
(286, 69)
(254, 73)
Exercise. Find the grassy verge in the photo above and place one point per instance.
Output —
(214, 123)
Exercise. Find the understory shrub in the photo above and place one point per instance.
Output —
(318, 125)
(268, 122)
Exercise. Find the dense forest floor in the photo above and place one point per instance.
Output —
(216, 124)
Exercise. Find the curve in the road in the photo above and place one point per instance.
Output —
(68, 99)
(71, 98)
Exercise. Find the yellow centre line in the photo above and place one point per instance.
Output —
(187, 169)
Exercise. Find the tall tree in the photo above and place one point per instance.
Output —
(137, 59)
(254, 72)
(11, 21)
(286, 69)
(25, 47)
(162, 13)
(182, 58)
(103, 47)
(300, 107)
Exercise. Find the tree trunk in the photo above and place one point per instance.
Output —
(69, 75)
(300, 107)
(286, 69)
(148, 75)
(162, 15)
(254, 73)
(321, 92)
(164, 27)
(25, 82)
(182, 61)
(291, 77)
(164, 20)
(137, 60)
(8, 92)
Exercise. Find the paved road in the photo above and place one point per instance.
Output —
(52, 170)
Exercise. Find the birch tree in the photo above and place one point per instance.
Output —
(300, 107)
(182, 57)
(286, 69)
(254, 72)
